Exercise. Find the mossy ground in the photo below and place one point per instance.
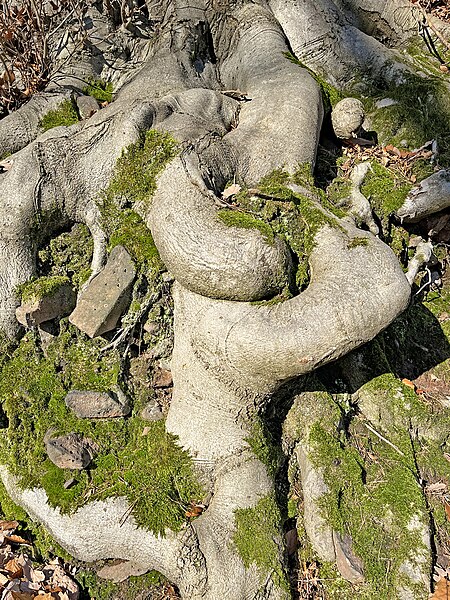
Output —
(150, 470)
(65, 115)
(69, 254)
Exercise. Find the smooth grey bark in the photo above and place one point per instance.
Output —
(229, 355)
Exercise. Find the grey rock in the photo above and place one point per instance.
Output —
(71, 451)
(57, 304)
(349, 565)
(152, 412)
(103, 302)
(347, 117)
(97, 405)
(87, 106)
(385, 102)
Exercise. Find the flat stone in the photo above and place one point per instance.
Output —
(71, 451)
(97, 405)
(349, 565)
(59, 303)
(385, 102)
(152, 412)
(162, 378)
(103, 302)
(87, 106)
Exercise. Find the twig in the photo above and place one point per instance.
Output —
(127, 513)
(374, 431)
(432, 27)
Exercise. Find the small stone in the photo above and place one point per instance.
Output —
(69, 483)
(151, 327)
(385, 102)
(152, 412)
(349, 565)
(103, 302)
(87, 106)
(71, 451)
(167, 277)
(59, 303)
(98, 405)
(347, 117)
(162, 378)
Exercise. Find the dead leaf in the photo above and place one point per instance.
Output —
(16, 539)
(441, 590)
(8, 525)
(14, 568)
(25, 596)
(447, 509)
(231, 190)
(195, 510)
(409, 383)
(436, 488)
(3, 579)
(444, 68)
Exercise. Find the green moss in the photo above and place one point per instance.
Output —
(385, 189)
(257, 532)
(134, 182)
(126, 228)
(264, 446)
(373, 502)
(41, 287)
(234, 218)
(65, 115)
(357, 241)
(422, 113)
(99, 89)
(151, 471)
(95, 588)
(136, 170)
(68, 255)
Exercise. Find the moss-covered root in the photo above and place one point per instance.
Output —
(370, 491)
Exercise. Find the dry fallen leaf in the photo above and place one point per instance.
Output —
(408, 383)
(447, 509)
(14, 568)
(441, 590)
(16, 539)
(231, 190)
(8, 525)
(24, 596)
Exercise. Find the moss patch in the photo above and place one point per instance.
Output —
(41, 287)
(243, 220)
(136, 170)
(134, 181)
(68, 255)
(151, 471)
(257, 532)
(65, 115)
(294, 216)
(421, 113)
(386, 190)
(99, 89)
